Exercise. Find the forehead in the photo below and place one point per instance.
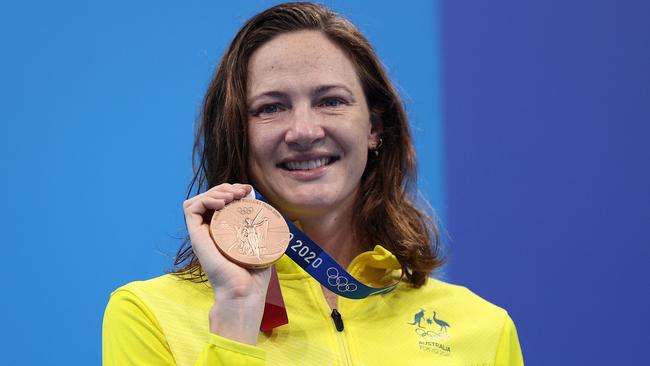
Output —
(299, 59)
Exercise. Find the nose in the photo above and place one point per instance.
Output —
(305, 128)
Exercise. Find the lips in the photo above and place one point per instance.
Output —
(307, 163)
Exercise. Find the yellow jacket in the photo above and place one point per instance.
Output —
(164, 321)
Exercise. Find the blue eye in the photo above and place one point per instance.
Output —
(270, 108)
(332, 102)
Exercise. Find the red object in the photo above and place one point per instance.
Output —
(275, 314)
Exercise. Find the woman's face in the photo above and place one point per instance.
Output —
(309, 127)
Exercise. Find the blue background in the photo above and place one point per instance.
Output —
(98, 105)
(530, 118)
(547, 118)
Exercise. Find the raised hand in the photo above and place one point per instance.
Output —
(239, 293)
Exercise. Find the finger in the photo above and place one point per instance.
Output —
(237, 189)
(223, 191)
(194, 212)
(246, 187)
(227, 196)
(200, 239)
(207, 253)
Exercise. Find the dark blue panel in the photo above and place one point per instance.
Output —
(547, 113)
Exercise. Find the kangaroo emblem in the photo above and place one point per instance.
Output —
(418, 318)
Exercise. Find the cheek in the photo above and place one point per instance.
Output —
(359, 136)
(265, 135)
(257, 142)
(255, 153)
(255, 165)
(357, 147)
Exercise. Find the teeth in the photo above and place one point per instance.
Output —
(306, 165)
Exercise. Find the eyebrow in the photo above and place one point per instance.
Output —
(271, 93)
(319, 90)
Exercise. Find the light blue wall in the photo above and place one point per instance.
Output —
(96, 106)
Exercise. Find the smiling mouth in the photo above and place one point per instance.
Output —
(308, 164)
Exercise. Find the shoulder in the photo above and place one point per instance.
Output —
(163, 291)
(457, 306)
(161, 304)
(448, 319)
(451, 320)
(160, 282)
(445, 294)
(150, 320)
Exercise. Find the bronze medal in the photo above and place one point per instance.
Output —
(250, 233)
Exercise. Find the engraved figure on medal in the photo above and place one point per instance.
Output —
(251, 236)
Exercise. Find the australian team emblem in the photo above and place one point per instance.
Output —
(431, 330)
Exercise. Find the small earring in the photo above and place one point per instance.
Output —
(378, 146)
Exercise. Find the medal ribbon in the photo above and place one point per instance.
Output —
(315, 261)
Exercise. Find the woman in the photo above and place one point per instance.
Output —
(301, 109)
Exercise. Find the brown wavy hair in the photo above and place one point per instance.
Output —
(385, 211)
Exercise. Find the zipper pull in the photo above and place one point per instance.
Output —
(338, 322)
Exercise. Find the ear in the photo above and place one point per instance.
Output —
(376, 130)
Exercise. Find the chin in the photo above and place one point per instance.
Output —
(312, 200)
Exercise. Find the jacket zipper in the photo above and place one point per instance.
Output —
(340, 337)
(338, 322)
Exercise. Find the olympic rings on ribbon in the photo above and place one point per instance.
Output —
(341, 282)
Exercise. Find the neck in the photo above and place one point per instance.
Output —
(332, 231)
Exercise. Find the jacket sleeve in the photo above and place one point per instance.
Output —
(131, 335)
(509, 351)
